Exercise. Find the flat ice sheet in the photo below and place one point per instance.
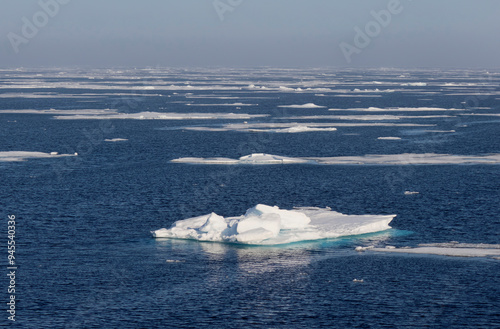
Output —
(397, 109)
(378, 159)
(295, 127)
(366, 117)
(304, 106)
(161, 116)
(265, 225)
(14, 156)
(449, 249)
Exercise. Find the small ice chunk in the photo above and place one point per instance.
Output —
(361, 249)
(116, 140)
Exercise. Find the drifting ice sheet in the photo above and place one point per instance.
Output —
(265, 225)
(376, 159)
(448, 249)
(304, 106)
(12, 156)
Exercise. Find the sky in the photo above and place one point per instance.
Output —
(250, 33)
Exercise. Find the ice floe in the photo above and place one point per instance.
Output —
(388, 138)
(397, 109)
(116, 140)
(414, 84)
(161, 116)
(295, 127)
(448, 249)
(304, 106)
(63, 112)
(12, 156)
(223, 104)
(255, 158)
(266, 225)
(366, 117)
(375, 159)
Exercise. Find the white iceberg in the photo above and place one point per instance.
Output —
(266, 225)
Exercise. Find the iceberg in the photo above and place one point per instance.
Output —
(266, 225)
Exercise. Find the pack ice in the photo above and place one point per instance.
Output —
(266, 225)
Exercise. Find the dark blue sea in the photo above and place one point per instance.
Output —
(85, 255)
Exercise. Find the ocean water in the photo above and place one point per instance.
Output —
(84, 250)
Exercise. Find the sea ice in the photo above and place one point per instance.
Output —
(397, 109)
(388, 138)
(449, 249)
(162, 116)
(295, 127)
(11, 156)
(266, 225)
(374, 159)
(116, 140)
(304, 106)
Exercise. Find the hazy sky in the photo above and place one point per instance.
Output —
(303, 33)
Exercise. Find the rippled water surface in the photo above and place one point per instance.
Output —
(85, 254)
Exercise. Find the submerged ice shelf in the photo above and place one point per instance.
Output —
(266, 225)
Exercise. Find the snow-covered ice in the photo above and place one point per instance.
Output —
(222, 104)
(12, 156)
(255, 158)
(162, 116)
(304, 106)
(448, 249)
(266, 225)
(397, 109)
(295, 127)
(116, 140)
(389, 138)
(375, 159)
